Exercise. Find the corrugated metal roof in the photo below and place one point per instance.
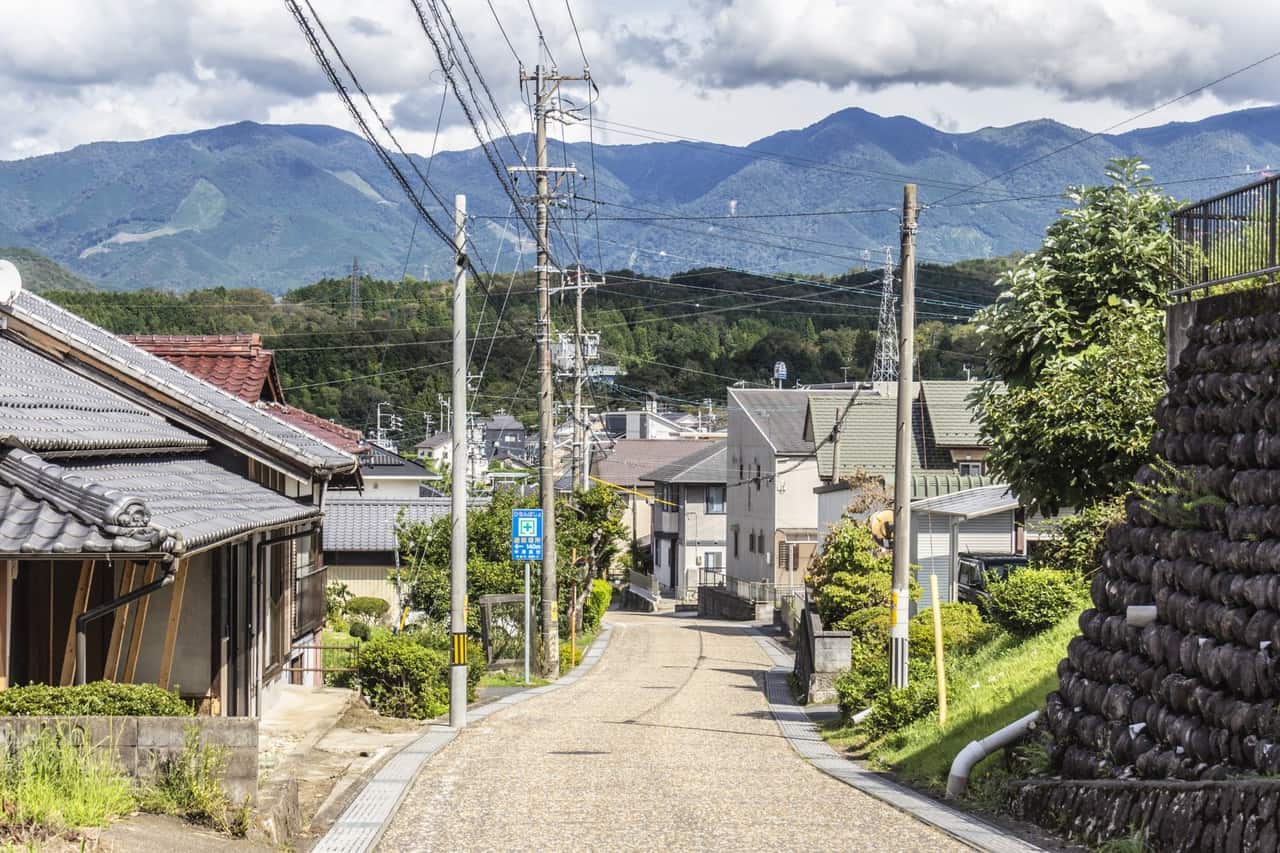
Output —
(45, 407)
(931, 484)
(950, 412)
(370, 525)
(178, 385)
(155, 505)
(970, 503)
(705, 465)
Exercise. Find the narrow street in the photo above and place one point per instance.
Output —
(667, 744)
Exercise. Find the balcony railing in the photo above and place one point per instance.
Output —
(1229, 237)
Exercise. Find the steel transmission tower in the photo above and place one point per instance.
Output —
(885, 368)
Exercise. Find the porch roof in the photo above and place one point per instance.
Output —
(172, 505)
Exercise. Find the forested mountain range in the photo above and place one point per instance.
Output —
(277, 207)
(684, 339)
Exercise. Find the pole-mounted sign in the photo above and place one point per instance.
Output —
(526, 534)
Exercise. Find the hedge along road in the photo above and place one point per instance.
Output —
(667, 744)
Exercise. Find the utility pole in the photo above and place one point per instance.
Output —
(899, 596)
(458, 498)
(585, 346)
(546, 85)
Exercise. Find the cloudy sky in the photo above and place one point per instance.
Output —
(73, 72)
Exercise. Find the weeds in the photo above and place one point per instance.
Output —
(57, 780)
(189, 785)
(1134, 842)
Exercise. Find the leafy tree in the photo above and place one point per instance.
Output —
(852, 580)
(1074, 347)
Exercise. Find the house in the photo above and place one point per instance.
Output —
(436, 450)
(688, 518)
(772, 472)
(982, 520)
(154, 527)
(650, 423)
(388, 475)
(623, 466)
(503, 437)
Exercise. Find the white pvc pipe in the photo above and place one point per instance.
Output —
(958, 779)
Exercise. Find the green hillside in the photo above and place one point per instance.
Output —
(685, 338)
(39, 274)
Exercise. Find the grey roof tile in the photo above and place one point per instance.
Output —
(363, 524)
(183, 388)
(630, 460)
(168, 505)
(704, 465)
(779, 414)
(46, 407)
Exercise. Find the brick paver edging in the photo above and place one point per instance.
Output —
(803, 735)
(360, 827)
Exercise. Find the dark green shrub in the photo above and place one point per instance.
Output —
(896, 709)
(402, 678)
(100, 698)
(360, 630)
(593, 609)
(962, 629)
(1034, 600)
(367, 607)
(1077, 547)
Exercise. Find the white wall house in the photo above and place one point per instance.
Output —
(388, 476)
(975, 521)
(688, 519)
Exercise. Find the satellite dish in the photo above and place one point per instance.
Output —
(10, 283)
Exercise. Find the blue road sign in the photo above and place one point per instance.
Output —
(526, 534)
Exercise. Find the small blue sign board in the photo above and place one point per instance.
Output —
(526, 534)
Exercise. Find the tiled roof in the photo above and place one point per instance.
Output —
(868, 437)
(168, 505)
(779, 414)
(370, 525)
(237, 364)
(433, 441)
(503, 422)
(341, 437)
(381, 462)
(704, 465)
(185, 392)
(631, 459)
(950, 413)
(44, 406)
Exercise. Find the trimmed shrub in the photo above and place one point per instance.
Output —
(367, 607)
(402, 678)
(360, 630)
(1033, 600)
(593, 609)
(896, 709)
(962, 629)
(98, 699)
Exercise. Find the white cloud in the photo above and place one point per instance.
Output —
(733, 70)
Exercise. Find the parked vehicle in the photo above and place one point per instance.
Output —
(978, 571)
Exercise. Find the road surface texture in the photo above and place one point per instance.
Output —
(666, 745)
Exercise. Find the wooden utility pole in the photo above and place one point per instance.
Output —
(899, 596)
(545, 87)
(458, 473)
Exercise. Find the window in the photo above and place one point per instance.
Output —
(712, 560)
(757, 476)
(735, 543)
(741, 473)
(715, 499)
(751, 542)
(970, 469)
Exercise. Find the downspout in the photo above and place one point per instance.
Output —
(83, 620)
(958, 779)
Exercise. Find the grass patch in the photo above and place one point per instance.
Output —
(57, 781)
(1001, 680)
(571, 657)
(510, 678)
(189, 785)
(339, 652)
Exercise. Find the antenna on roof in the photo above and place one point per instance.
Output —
(10, 283)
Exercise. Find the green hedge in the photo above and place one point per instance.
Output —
(593, 609)
(962, 629)
(403, 678)
(1033, 600)
(99, 699)
(367, 607)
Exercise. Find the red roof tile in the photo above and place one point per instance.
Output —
(343, 438)
(238, 364)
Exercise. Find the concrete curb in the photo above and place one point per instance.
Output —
(802, 734)
(365, 820)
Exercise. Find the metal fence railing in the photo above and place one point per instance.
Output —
(1228, 237)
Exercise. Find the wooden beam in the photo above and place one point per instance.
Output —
(7, 570)
(118, 621)
(171, 630)
(139, 623)
(79, 606)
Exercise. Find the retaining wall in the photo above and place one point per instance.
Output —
(143, 744)
(716, 603)
(1178, 817)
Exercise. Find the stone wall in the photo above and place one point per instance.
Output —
(715, 602)
(144, 743)
(1177, 817)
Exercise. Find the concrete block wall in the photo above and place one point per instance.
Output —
(144, 744)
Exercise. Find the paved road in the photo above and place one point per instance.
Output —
(666, 744)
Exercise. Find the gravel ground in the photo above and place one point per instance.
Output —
(666, 744)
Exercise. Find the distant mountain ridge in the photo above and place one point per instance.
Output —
(281, 206)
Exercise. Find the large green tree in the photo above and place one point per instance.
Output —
(1075, 346)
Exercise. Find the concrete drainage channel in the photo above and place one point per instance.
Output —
(803, 736)
(363, 822)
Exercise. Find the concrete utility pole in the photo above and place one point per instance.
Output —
(545, 87)
(902, 473)
(458, 501)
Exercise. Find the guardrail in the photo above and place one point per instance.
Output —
(1228, 237)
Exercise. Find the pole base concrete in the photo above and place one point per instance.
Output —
(458, 696)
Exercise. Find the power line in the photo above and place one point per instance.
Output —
(367, 376)
(503, 30)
